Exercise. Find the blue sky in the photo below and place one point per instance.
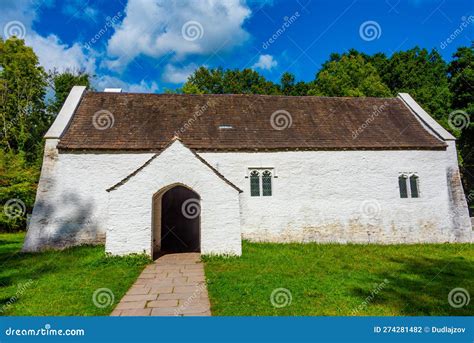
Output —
(150, 45)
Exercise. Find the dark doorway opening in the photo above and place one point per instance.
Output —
(180, 221)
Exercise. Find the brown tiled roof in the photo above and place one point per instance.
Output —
(243, 122)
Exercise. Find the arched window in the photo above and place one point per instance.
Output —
(415, 193)
(402, 184)
(266, 183)
(255, 183)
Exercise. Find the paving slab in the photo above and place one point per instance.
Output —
(174, 285)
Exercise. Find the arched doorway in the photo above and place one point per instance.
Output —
(176, 220)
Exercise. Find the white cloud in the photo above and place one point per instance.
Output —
(108, 81)
(142, 87)
(20, 10)
(56, 54)
(53, 54)
(265, 62)
(173, 74)
(155, 28)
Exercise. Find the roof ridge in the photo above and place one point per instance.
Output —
(243, 95)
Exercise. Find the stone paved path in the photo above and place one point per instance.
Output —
(174, 285)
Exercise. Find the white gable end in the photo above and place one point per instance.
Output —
(129, 227)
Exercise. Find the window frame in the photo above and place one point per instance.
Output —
(261, 171)
(415, 177)
(252, 175)
(408, 177)
(267, 175)
(404, 177)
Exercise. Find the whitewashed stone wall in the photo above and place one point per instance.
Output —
(348, 196)
(323, 196)
(130, 205)
(71, 200)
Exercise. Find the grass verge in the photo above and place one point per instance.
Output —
(341, 280)
(56, 283)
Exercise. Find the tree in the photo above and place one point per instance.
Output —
(62, 83)
(287, 82)
(461, 77)
(289, 87)
(348, 75)
(461, 84)
(18, 180)
(23, 118)
(380, 62)
(423, 74)
(219, 81)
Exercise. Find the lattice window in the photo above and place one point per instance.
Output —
(255, 183)
(415, 193)
(266, 183)
(402, 184)
(261, 183)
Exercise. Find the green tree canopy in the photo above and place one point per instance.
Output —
(62, 84)
(461, 80)
(23, 118)
(348, 75)
(289, 87)
(229, 81)
(423, 74)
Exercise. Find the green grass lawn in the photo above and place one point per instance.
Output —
(62, 282)
(341, 280)
(326, 279)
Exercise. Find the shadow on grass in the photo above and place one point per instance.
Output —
(63, 282)
(348, 280)
(5, 242)
(421, 286)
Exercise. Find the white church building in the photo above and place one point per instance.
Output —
(157, 173)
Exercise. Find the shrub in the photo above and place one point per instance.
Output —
(18, 182)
